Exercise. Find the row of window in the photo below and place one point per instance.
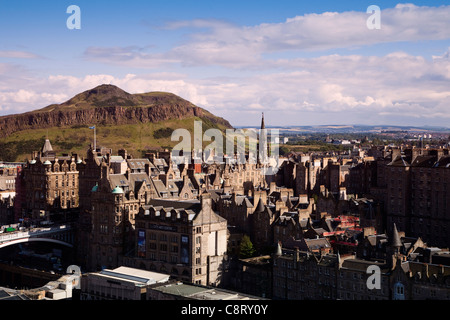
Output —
(164, 257)
(163, 237)
(163, 247)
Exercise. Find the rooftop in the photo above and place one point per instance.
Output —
(138, 276)
(202, 293)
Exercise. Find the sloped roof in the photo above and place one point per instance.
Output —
(401, 161)
(260, 207)
(47, 147)
(139, 164)
(118, 180)
(444, 162)
(159, 186)
(424, 161)
(396, 242)
(116, 159)
(160, 162)
(243, 200)
(314, 244)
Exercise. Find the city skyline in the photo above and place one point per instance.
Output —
(300, 64)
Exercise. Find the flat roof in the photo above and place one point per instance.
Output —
(202, 293)
(180, 289)
(137, 276)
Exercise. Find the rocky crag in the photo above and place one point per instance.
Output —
(108, 105)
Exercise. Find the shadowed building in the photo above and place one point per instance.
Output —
(188, 240)
(50, 185)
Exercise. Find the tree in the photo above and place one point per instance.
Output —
(246, 249)
(283, 150)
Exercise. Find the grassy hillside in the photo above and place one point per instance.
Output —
(135, 122)
(135, 138)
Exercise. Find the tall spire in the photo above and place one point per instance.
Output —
(339, 260)
(47, 147)
(262, 122)
(278, 251)
(396, 242)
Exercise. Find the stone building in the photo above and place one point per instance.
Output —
(254, 276)
(262, 224)
(237, 210)
(115, 202)
(296, 275)
(430, 199)
(122, 283)
(185, 239)
(392, 269)
(50, 185)
(417, 194)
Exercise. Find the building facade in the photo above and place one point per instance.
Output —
(50, 186)
(188, 241)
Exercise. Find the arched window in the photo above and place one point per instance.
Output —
(399, 291)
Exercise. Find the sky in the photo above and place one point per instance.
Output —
(299, 62)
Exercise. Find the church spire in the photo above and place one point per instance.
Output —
(396, 242)
(262, 122)
(47, 147)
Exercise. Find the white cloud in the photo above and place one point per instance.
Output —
(18, 54)
(329, 89)
(296, 90)
(232, 46)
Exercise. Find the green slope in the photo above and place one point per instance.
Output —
(137, 139)
(136, 122)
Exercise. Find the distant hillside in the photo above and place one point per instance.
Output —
(356, 129)
(134, 121)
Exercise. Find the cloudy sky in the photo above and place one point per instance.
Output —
(299, 62)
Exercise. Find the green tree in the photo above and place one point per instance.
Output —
(283, 150)
(246, 249)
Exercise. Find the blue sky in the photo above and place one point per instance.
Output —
(299, 62)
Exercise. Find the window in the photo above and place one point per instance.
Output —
(399, 291)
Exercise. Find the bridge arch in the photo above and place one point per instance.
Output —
(17, 241)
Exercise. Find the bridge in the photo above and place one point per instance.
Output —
(59, 234)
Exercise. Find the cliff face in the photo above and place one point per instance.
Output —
(107, 104)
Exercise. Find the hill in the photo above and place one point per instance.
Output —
(137, 122)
